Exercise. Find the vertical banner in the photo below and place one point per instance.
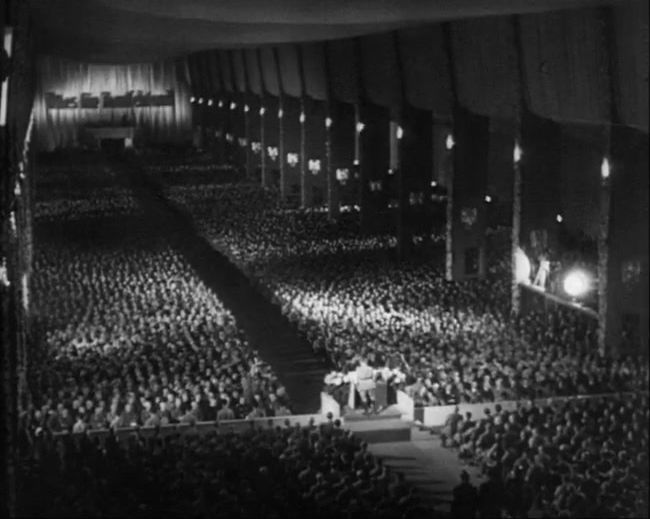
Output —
(255, 146)
(291, 159)
(373, 129)
(315, 144)
(471, 135)
(414, 174)
(344, 184)
(271, 126)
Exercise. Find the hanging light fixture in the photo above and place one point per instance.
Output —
(450, 143)
(605, 169)
(517, 153)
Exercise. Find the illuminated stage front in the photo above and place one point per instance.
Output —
(99, 133)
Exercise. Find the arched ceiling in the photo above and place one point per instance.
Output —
(120, 31)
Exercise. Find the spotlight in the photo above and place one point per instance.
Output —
(200, 100)
(233, 105)
(450, 143)
(192, 99)
(302, 117)
(558, 218)
(360, 127)
(605, 169)
(434, 183)
(328, 122)
(280, 113)
(522, 267)
(576, 283)
(262, 111)
(210, 102)
(220, 103)
(400, 132)
(246, 108)
(488, 199)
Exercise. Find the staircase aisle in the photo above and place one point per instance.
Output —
(426, 464)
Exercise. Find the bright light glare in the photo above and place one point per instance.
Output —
(559, 219)
(576, 283)
(517, 153)
(605, 169)
(450, 142)
(522, 267)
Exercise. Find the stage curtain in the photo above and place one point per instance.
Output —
(313, 64)
(289, 70)
(485, 64)
(240, 71)
(212, 59)
(253, 71)
(343, 70)
(631, 29)
(381, 75)
(269, 71)
(426, 71)
(60, 127)
(566, 66)
(207, 78)
(226, 71)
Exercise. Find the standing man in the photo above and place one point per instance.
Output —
(366, 384)
(465, 501)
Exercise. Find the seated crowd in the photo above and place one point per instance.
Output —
(291, 471)
(132, 336)
(457, 340)
(577, 458)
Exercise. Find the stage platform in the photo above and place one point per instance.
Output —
(385, 426)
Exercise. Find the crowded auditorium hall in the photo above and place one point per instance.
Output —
(290, 259)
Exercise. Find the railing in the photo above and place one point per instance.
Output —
(202, 428)
(435, 416)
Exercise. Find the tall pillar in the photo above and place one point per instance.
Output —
(305, 195)
(515, 288)
(374, 163)
(625, 316)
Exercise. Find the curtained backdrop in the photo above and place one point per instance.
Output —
(59, 128)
